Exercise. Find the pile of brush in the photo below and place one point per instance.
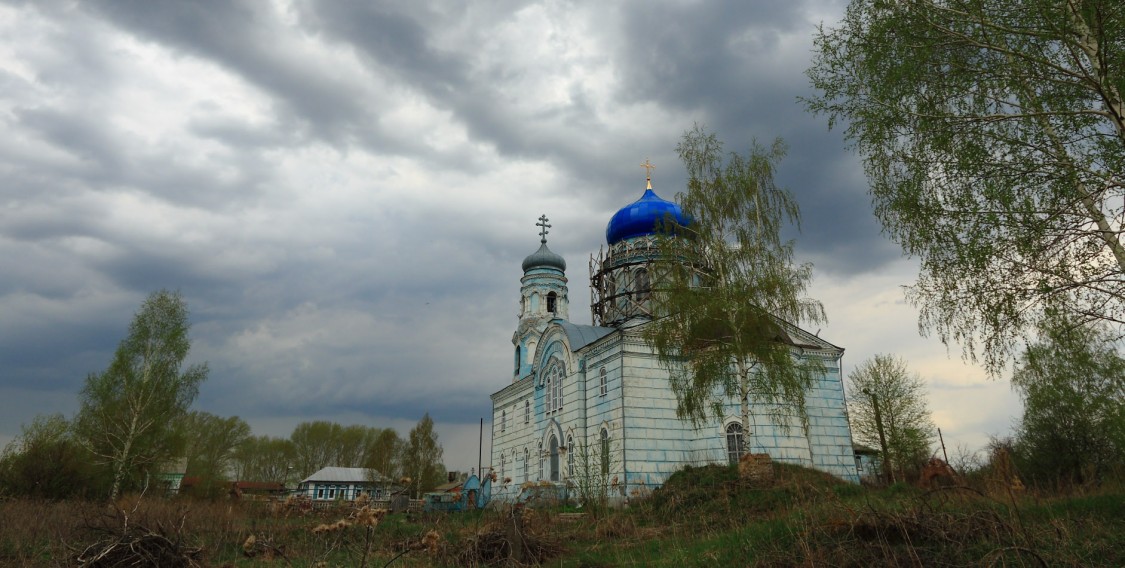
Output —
(520, 537)
(124, 543)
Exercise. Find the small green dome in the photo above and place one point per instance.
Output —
(544, 258)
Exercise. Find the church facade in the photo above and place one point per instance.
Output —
(582, 394)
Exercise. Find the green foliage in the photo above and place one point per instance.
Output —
(993, 136)
(321, 444)
(45, 462)
(421, 458)
(591, 479)
(902, 407)
(210, 446)
(727, 288)
(265, 458)
(1072, 382)
(129, 412)
(385, 454)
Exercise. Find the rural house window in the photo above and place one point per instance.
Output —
(320, 492)
(734, 442)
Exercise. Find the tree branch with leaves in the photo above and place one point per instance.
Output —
(727, 289)
(993, 136)
(129, 412)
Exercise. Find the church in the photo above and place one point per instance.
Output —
(582, 392)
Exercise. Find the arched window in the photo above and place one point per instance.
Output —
(622, 290)
(552, 302)
(605, 451)
(503, 420)
(540, 454)
(550, 390)
(553, 386)
(641, 284)
(502, 459)
(734, 442)
(526, 467)
(526, 411)
(604, 382)
(517, 371)
(554, 449)
(570, 456)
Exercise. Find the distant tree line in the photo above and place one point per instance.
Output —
(135, 423)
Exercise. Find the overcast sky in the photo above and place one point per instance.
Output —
(344, 190)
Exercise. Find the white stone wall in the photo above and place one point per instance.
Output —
(648, 441)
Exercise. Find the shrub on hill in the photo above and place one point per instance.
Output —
(715, 494)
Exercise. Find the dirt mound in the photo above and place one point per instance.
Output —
(715, 492)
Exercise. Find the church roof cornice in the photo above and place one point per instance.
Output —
(512, 391)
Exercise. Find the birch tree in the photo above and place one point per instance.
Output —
(1072, 382)
(993, 136)
(128, 412)
(728, 289)
(421, 458)
(903, 414)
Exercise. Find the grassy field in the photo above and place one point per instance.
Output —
(702, 517)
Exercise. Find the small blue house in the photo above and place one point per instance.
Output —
(472, 494)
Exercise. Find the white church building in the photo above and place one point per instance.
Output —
(599, 389)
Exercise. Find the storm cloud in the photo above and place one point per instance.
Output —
(343, 191)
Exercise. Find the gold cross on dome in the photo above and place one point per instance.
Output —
(648, 172)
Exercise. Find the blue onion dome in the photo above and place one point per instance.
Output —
(544, 258)
(640, 217)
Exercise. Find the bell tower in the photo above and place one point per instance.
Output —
(543, 297)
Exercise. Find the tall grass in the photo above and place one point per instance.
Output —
(701, 517)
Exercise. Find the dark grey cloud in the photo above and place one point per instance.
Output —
(243, 37)
(343, 190)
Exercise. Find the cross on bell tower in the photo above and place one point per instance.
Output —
(543, 231)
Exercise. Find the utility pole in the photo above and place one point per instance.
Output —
(882, 437)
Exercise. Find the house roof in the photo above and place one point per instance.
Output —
(344, 475)
(452, 486)
(863, 450)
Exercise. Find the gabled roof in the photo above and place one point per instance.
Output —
(802, 338)
(580, 336)
(345, 475)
